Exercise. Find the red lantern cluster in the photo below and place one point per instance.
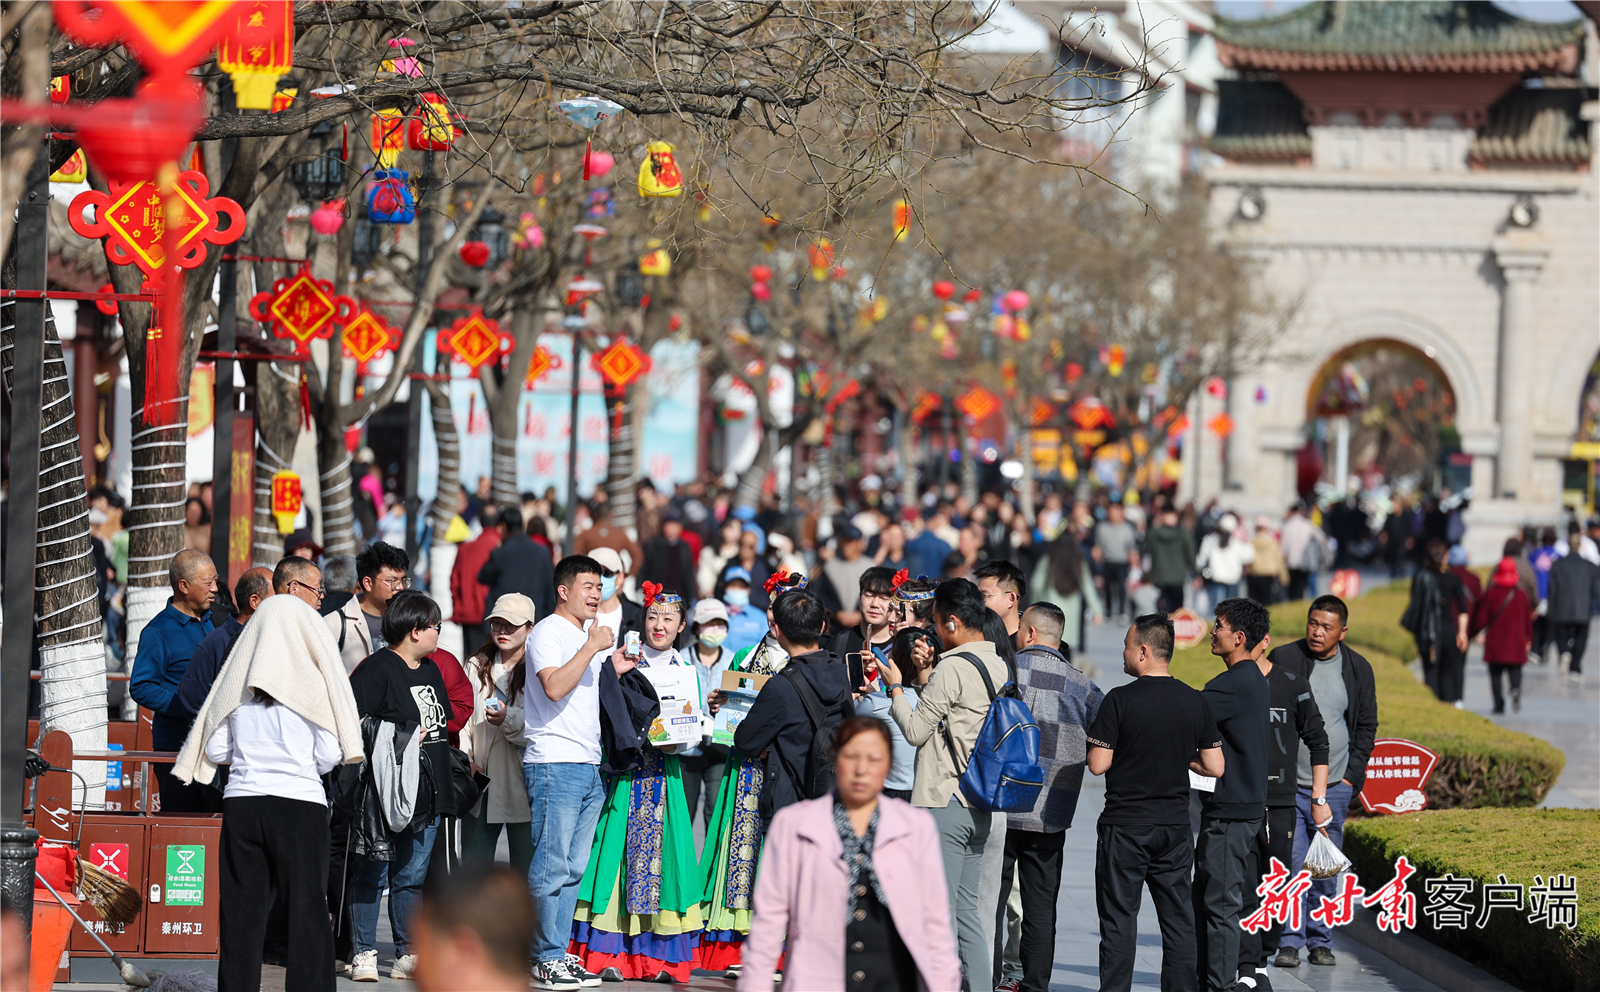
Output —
(760, 282)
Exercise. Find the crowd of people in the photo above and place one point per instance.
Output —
(349, 755)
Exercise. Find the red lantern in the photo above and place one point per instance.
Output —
(257, 49)
(1074, 373)
(943, 289)
(169, 38)
(1216, 387)
(430, 130)
(973, 295)
(760, 273)
(474, 253)
(761, 291)
(1015, 301)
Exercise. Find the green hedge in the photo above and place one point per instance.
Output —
(1483, 844)
(1480, 763)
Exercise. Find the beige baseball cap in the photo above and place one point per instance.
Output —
(608, 559)
(513, 607)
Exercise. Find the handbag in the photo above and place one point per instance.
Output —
(466, 786)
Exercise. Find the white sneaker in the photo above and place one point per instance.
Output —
(575, 968)
(405, 966)
(340, 967)
(553, 975)
(365, 967)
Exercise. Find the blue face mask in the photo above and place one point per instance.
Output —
(608, 587)
(736, 597)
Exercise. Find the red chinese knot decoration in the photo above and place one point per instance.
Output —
(301, 308)
(367, 336)
(977, 403)
(622, 363)
(132, 220)
(474, 341)
(542, 362)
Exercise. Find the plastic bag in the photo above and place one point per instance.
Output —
(1323, 859)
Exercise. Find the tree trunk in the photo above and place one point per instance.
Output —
(621, 477)
(827, 501)
(69, 629)
(277, 429)
(442, 553)
(1026, 456)
(969, 469)
(333, 457)
(909, 482)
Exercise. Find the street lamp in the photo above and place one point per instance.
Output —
(491, 230)
(318, 179)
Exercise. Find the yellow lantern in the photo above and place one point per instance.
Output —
(286, 499)
(655, 262)
(388, 135)
(73, 170)
(658, 173)
(902, 220)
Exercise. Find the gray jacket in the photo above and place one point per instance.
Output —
(1064, 703)
(396, 761)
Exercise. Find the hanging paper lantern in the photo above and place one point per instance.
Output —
(955, 315)
(1074, 373)
(943, 289)
(1023, 330)
(287, 499)
(1149, 374)
(366, 337)
(284, 99)
(600, 203)
(587, 111)
(388, 136)
(529, 233)
(405, 65)
(73, 170)
(107, 307)
(838, 272)
(675, 322)
(973, 296)
(655, 262)
(132, 219)
(821, 255)
(257, 49)
(658, 173)
(902, 221)
(328, 218)
(1116, 360)
(761, 291)
(760, 273)
(581, 288)
(168, 38)
(620, 364)
(1221, 425)
(1015, 301)
(474, 253)
(301, 308)
(60, 89)
(950, 348)
(1216, 387)
(474, 341)
(600, 163)
(389, 198)
(430, 130)
(1004, 326)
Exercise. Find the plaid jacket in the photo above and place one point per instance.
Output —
(1064, 702)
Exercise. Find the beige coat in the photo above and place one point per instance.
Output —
(1269, 558)
(497, 750)
(357, 637)
(955, 695)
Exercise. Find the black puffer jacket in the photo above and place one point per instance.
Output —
(353, 794)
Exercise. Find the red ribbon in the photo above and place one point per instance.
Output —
(776, 579)
(651, 590)
(900, 577)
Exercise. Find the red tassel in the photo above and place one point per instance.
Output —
(305, 403)
(344, 144)
(644, 302)
(588, 150)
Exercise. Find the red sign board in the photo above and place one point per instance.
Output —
(110, 857)
(1346, 583)
(1397, 776)
(1188, 628)
(243, 494)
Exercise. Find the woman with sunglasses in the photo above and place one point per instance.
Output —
(399, 685)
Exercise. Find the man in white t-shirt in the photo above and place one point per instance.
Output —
(561, 766)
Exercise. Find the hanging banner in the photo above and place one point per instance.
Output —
(241, 500)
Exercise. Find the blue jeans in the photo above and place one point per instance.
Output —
(1311, 933)
(564, 799)
(404, 876)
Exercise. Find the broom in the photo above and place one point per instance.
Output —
(114, 899)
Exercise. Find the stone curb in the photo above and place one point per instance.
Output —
(1415, 952)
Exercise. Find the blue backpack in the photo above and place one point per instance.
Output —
(1003, 773)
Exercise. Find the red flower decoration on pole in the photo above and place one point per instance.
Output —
(132, 220)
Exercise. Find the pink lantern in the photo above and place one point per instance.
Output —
(600, 163)
(1015, 301)
(761, 291)
(328, 218)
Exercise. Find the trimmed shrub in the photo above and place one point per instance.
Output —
(1483, 844)
(1480, 763)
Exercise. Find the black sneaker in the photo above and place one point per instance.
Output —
(1256, 979)
(1320, 955)
(1288, 957)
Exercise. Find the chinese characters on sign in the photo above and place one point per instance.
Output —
(1449, 901)
(1397, 776)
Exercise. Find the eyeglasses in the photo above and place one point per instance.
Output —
(501, 627)
(437, 628)
(399, 582)
(317, 591)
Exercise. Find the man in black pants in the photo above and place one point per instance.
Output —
(1294, 720)
(1232, 810)
(1147, 737)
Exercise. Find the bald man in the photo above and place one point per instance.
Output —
(165, 648)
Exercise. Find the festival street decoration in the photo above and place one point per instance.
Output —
(388, 136)
(402, 65)
(620, 364)
(902, 220)
(168, 38)
(287, 498)
(656, 261)
(366, 337)
(474, 341)
(132, 220)
(431, 130)
(389, 198)
(542, 362)
(977, 404)
(300, 309)
(658, 173)
(257, 49)
(74, 170)
(586, 112)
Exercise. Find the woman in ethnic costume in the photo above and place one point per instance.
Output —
(639, 904)
(734, 832)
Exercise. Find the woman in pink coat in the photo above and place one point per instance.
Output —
(855, 883)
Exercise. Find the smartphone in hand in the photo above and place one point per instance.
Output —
(857, 670)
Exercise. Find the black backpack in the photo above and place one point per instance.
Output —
(816, 778)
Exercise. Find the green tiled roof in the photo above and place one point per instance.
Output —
(1436, 35)
(1534, 126)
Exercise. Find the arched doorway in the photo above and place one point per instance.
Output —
(1384, 411)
